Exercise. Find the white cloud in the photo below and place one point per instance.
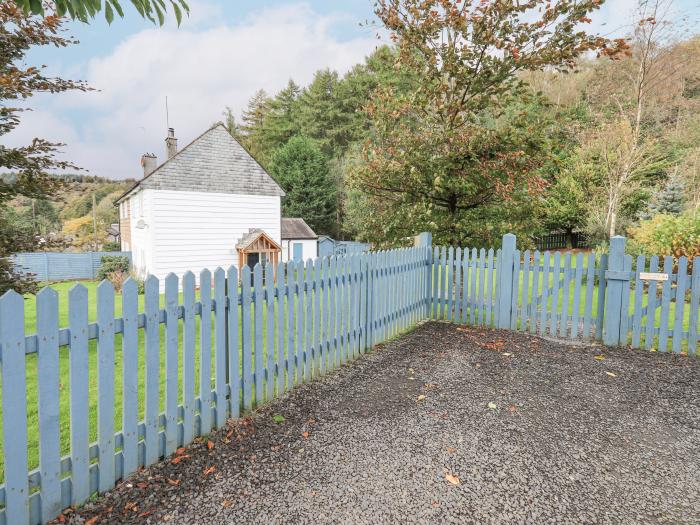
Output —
(200, 69)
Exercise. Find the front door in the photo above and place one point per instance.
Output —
(298, 251)
(253, 259)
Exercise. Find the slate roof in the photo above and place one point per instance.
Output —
(213, 162)
(296, 229)
(253, 235)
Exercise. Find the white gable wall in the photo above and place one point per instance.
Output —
(188, 230)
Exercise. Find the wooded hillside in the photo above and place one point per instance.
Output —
(65, 222)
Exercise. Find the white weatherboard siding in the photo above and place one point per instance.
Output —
(310, 249)
(197, 230)
(141, 238)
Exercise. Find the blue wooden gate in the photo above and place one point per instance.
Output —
(650, 302)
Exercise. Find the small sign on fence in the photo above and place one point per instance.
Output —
(653, 276)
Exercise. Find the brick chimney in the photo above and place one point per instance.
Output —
(149, 162)
(170, 144)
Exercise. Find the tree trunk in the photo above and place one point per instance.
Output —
(613, 222)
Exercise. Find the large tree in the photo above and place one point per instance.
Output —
(301, 169)
(466, 137)
(19, 81)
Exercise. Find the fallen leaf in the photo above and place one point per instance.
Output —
(226, 503)
(507, 354)
(177, 459)
(451, 450)
(278, 418)
(611, 374)
(492, 405)
(599, 357)
(209, 470)
(511, 408)
(145, 513)
(420, 397)
(210, 444)
(229, 434)
(305, 435)
(180, 450)
(173, 482)
(92, 520)
(452, 479)
(130, 506)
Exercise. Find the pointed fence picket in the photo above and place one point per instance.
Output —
(275, 328)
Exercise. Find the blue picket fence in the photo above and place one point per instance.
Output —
(255, 339)
(61, 266)
(222, 349)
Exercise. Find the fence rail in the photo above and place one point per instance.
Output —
(194, 357)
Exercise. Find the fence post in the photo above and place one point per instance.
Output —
(504, 281)
(425, 240)
(614, 276)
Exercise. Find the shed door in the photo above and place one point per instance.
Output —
(298, 251)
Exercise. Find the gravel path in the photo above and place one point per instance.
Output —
(511, 429)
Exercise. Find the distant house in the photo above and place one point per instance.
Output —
(299, 242)
(112, 233)
(209, 204)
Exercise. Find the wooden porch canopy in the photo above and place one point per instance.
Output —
(258, 242)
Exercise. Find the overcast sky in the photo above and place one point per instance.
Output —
(219, 57)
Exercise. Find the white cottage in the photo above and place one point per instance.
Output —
(299, 242)
(209, 204)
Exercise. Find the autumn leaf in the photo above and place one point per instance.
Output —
(305, 434)
(226, 503)
(611, 374)
(420, 398)
(451, 450)
(180, 450)
(173, 482)
(209, 470)
(92, 520)
(492, 405)
(210, 444)
(452, 479)
(599, 357)
(511, 408)
(177, 459)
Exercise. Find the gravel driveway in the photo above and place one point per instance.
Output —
(447, 425)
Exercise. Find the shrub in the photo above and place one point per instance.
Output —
(111, 246)
(112, 263)
(663, 234)
(118, 278)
